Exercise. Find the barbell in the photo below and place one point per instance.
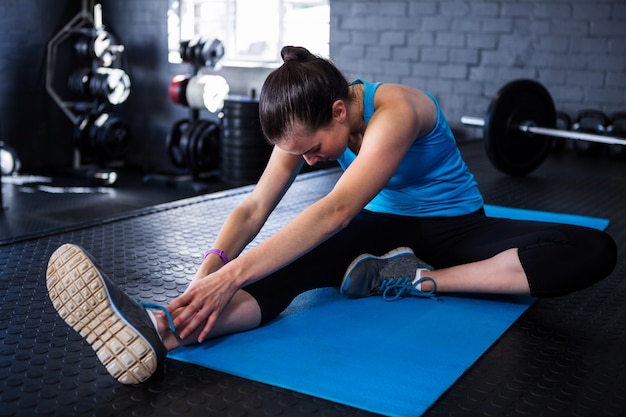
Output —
(520, 124)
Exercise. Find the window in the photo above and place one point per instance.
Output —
(252, 31)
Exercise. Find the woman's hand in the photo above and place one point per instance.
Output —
(199, 307)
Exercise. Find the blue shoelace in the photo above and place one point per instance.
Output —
(154, 306)
(395, 288)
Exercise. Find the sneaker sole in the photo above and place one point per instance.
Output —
(80, 296)
(401, 251)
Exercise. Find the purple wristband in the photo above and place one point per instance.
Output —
(218, 252)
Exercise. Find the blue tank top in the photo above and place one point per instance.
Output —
(431, 180)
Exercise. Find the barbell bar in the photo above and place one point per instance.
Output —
(519, 125)
(555, 133)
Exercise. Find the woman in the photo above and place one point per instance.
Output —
(404, 186)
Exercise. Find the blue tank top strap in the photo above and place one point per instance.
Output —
(368, 97)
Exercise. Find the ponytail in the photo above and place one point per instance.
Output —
(300, 92)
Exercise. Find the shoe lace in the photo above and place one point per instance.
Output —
(164, 309)
(393, 289)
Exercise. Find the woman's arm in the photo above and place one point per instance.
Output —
(244, 222)
(398, 120)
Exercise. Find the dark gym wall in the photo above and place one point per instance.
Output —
(29, 120)
(460, 50)
(463, 51)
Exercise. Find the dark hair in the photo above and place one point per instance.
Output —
(302, 90)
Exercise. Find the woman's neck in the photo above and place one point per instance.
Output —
(356, 120)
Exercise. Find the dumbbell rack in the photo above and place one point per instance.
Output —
(193, 143)
(98, 136)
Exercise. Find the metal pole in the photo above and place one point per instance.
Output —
(529, 127)
(557, 133)
(473, 121)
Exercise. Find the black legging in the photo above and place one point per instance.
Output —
(557, 258)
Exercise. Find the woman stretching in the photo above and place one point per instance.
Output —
(405, 189)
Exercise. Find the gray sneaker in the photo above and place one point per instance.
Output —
(118, 328)
(390, 275)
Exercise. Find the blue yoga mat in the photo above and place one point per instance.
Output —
(546, 216)
(392, 358)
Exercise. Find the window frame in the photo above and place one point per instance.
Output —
(179, 30)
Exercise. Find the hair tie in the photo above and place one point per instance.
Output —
(290, 57)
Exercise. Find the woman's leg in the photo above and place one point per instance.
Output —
(500, 274)
(475, 253)
(243, 313)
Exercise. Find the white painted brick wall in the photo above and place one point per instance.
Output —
(462, 51)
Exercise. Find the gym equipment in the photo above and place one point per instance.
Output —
(520, 124)
(9, 162)
(244, 150)
(100, 45)
(617, 126)
(199, 91)
(83, 93)
(194, 145)
(110, 84)
(202, 52)
(102, 134)
(590, 121)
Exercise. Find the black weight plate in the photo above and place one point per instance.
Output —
(250, 123)
(509, 149)
(247, 157)
(241, 108)
(113, 137)
(243, 163)
(186, 145)
(191, 160)
(173, 142)
(244, 148)
(207, 147)
(243, 152)
(238, 137)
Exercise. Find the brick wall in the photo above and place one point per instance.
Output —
(462, 51)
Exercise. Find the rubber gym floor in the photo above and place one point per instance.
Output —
(564, 357)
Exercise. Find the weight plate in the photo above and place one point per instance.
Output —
(113, 138)
(187, 144)
(206, 153)
(250, 123)
(509, 149)
(190, 154)
(241, 108)
(244, 136)
(173, 142)
(246, 153)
